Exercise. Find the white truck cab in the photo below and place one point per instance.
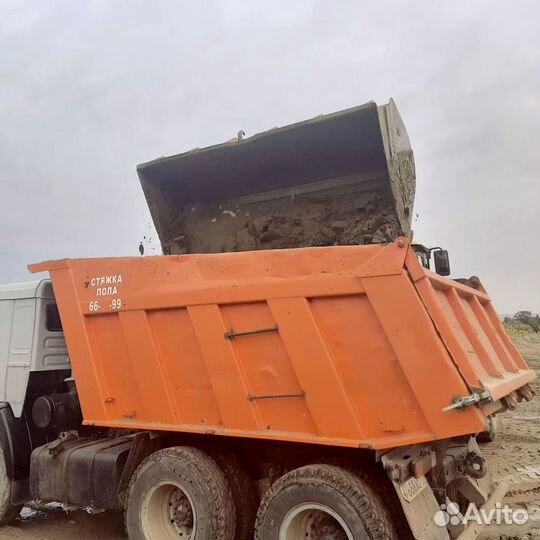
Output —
(31, 338)
(34, 370)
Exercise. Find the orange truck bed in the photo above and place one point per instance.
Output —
(356, 346)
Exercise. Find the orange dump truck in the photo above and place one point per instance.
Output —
(323, 393)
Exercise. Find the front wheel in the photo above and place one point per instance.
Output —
(317, 502)
(180, 493)
(8, 511)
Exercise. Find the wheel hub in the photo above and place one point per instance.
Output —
(168, 513)
(312, 521)
(181, 513)
(322, 526)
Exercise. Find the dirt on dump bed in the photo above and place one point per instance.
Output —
(514, 456)
(293, 222)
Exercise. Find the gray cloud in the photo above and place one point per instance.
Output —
(90, 89)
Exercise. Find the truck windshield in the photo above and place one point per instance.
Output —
(423, 258)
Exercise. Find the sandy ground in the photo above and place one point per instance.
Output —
(515, 455)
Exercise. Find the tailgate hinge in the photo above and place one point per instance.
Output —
(460, 402)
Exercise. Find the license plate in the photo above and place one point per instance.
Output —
(412, 487)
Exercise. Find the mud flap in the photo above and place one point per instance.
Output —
(420, 507)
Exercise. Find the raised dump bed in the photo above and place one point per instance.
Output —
(355, 346)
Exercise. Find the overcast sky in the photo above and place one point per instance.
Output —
(89, 89)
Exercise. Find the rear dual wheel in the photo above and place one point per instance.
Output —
(180, 493)
(322, 502)
(245, 496)
(183, 493)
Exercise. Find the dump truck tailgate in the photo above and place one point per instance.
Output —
(352, 345)
(473, 333)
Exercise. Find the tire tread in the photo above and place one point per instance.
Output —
(245, 496)
(374, 515)
(217, 489)
(8, 511)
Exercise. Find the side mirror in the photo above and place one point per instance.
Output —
(442, 262)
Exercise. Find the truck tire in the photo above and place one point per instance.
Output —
(383, 487)
(494, 426)
(180, 492)
(8, 511)
(245, 496)
(322, 501)
(379, 482)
